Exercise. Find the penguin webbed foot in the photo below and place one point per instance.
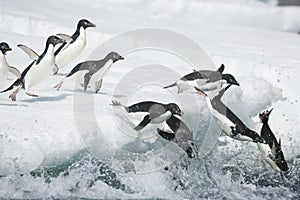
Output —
(13, 96)
(31, 94)
(58, 86)
(115, 103)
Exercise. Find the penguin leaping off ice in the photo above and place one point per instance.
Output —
(272, 151)
(73, 46)
(4, 67)
(92, 71)
(228, 121)
(38, 70)
(150, 112)
(176, 130)
(205, 80)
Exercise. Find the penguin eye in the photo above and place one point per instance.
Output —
(114, 56)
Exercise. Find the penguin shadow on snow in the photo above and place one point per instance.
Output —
(47, 98)
(12, 104)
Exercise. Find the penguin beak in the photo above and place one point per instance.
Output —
(269, 112)
(235, 83)
(8, 49)
(91, 25)
(121, 58)
(180, 113)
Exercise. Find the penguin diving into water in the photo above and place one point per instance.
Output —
(227, 120)
(4, 67)
(177, 131)
(272, 151)
(92, 71)
(205, 80)
(150, 112)
(72, 46)
(38, 70)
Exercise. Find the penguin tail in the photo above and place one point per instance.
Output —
(18, 82)
(172, 85)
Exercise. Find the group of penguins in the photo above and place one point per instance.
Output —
(53, 59)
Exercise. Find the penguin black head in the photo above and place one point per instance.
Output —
(114, 56)
(85, 24)
(4, 47)
(174, 109)
(54, 40)
(230, 79)
(264, 116)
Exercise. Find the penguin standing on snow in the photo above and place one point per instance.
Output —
(4, 67)
(38, 70)
(92, 71)
(73, 46)
(272, 150)
(205, 80)
(150, 112)
(177, 131)
(228, 121)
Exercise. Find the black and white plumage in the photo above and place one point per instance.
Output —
(176, 130)
(228, 121)
(205, 80)
(73, 45)
(38, 70)
(4, 67)
(150, 112)
(92, 71)
(272, 151)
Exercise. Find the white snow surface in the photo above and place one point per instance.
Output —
(257, 41)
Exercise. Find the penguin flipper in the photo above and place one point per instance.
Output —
(17, 83)
(55, 69)
(165, 135)
(221, 68)
(253, 135)
(14, 71)
(65, 37)
(87, 78)
(98, 85)
(143, 123)
(172, 85)
(32, 54)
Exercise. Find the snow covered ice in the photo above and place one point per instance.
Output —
(46, 152)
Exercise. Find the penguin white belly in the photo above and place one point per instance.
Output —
(101, 72)
(138, 115)
(72, 50)
(186, 85)
(3, 75)
(265, 149)
(224, 123)
(211, 86)
(38, 73)
(3, 70)
(267, 153)
(161, 118)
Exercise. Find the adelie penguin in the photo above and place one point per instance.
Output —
(73, 46)
(228, 121)
(92, 71)
(205, 80)
(177, 131)
(38, 70)
(150, 112)
(272, 151)
(4, 67)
